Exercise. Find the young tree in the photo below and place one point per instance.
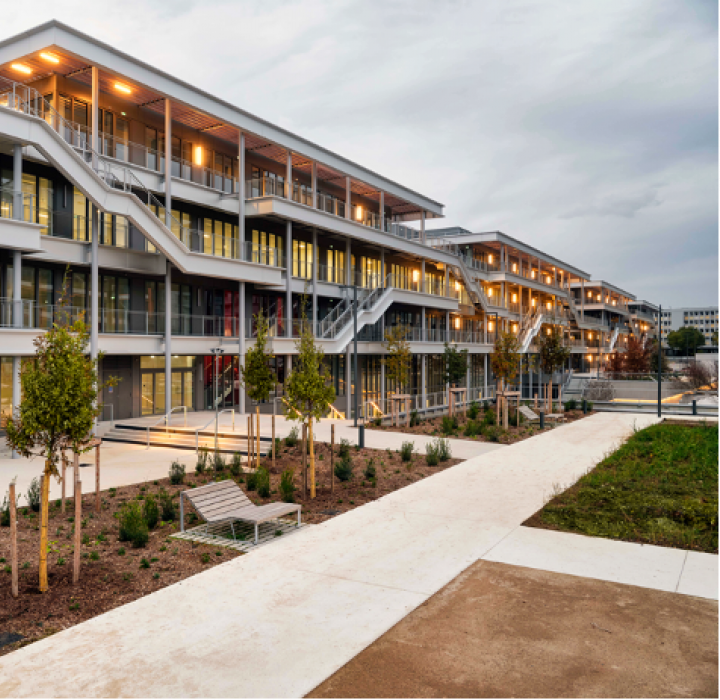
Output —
(456, 362)
(552, 356)
(686, 339)
(637, 356)
(505, 361)
(60, 390)
(257, 374)
(653, 346)
(616, 364)
(398, 357)
(308, 388)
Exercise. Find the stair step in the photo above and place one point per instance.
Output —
(182, 442)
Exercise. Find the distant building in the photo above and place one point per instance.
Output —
(704, 318)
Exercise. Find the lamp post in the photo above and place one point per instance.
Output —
(217, 353)
(355, 356)
(659, 370)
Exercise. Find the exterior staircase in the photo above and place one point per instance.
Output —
(183, 438)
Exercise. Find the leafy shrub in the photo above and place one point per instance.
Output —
(492, 433)
(344, 448)
(472, 428)
(236, 464)
(449, 425)
(218, 463)
(151, 512)
(287, 486)
(370, 471)
(431, 454)
(489, 418)
(133, 527)
(262, 483)
(406, 451)
(144, 563)
(344, 468)
(292, 439)
(513, 420)
(5, 512)
(589, 405)
(202, 461)
(177, 473)
(278, 445)
(444, 449)
(94, 556)
(205, 558)
(251, 481)
(414, 418)
(167, 507)
(33, 495)
(570, 405)
(473, 410)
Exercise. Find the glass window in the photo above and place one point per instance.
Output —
(79, 216)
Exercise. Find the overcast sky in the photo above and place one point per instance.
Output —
(588, 129)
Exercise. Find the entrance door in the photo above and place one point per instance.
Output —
(119, 396)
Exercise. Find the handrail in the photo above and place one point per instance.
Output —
(165, 418)
(215, 417)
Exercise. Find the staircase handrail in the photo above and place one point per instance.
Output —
(166, 419)
(214, 418)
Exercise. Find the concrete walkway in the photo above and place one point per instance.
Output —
(277, 622)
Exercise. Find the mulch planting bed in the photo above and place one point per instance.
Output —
(114, 573)
(489, 432)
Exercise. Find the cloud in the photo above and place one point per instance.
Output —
(616, 205)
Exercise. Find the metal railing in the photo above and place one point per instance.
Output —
(165, 418)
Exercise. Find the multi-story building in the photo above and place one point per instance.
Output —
(171, 218)
(704, 318)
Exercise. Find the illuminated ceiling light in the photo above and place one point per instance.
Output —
(50, 57)
(198, 155)
(490, 292)
(514, 267)
(589, 357)
(514, 298)
(358, 213)
(21, 68)
(490, 258)
(457, 324)
(534, 302)
(589, 336)
(123, 88)
(416, 275)
(548, 332)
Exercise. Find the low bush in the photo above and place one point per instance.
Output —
(262, 483)
(151, 512)
(236, 464)
(292, 439)
(202, 461)
(473, 410)
(133, 527)
(472, 428)
(570, 405)
(492, 433)
(33, 495)
(370, 472)
(406, 451)
(177, 473)
(449, 425)
(278, 445)
(287, 486)
(344, 468)
(344, 448)
(167, 507)
(444, 450)
(218, 463)
(489, 417)
(251, 481)
(431, 454)
(414, 418)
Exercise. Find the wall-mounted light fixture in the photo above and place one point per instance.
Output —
(198, 155)
(49, 57)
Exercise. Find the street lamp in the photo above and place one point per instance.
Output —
(355, 359)
(217, 353)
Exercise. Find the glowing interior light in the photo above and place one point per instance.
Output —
(21, 68)
(457, 286)
(122, 88)
(514, 327)
(51, 57)
(490, 291)
(490, 258)
(198, 155)
(491, 325)
(514, 298)
(457, 324)
(534, 302)
(358, 213)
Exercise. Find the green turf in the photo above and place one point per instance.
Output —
(660, 487)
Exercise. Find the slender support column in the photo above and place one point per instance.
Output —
(17, 310)
(502, 257)
(315, 259)
(422, 277)
(485, 327)
(423, 380)
(241, 341)
(288, 280)
(168, 338)
(348, 202)
(348, 384)
(288, 176)
(241, 195)
(382, 210)
(314, 185)
(422, 226)
(447, 326)
(348, 262)
(94, 283)
(168, 165)
(383, 273)
(94, 112)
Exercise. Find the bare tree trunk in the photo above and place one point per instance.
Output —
(303, 448)
(44, 507)
(273, 441)
(312, 459)
(97, 478)
(13, 542)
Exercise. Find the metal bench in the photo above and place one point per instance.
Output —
(528, 414)
(225, 501)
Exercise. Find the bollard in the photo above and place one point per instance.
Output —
(361, 436)
(542, 420)
(584, 407)
(694, 407)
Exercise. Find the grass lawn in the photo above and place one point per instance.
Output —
(660, 487)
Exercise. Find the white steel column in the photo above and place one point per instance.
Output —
(94, 283)
(315, 259)
(288, 280)
(348, 203)
(288, 176)
(382, 385)
(168, 337)
(382, 210)
(241, 194)
(423, 382)
(313, 185)
(383, 277)
(241, 342)
(422, 226)
(168, 166)
(447, 280)
(94, 112)
(17, 309)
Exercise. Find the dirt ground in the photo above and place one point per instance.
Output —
(433, 427)
(111, 571)
(504, 631)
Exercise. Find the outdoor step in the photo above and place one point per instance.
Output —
(185, 442)
(185, 431)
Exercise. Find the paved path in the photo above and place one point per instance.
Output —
(277, 622)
